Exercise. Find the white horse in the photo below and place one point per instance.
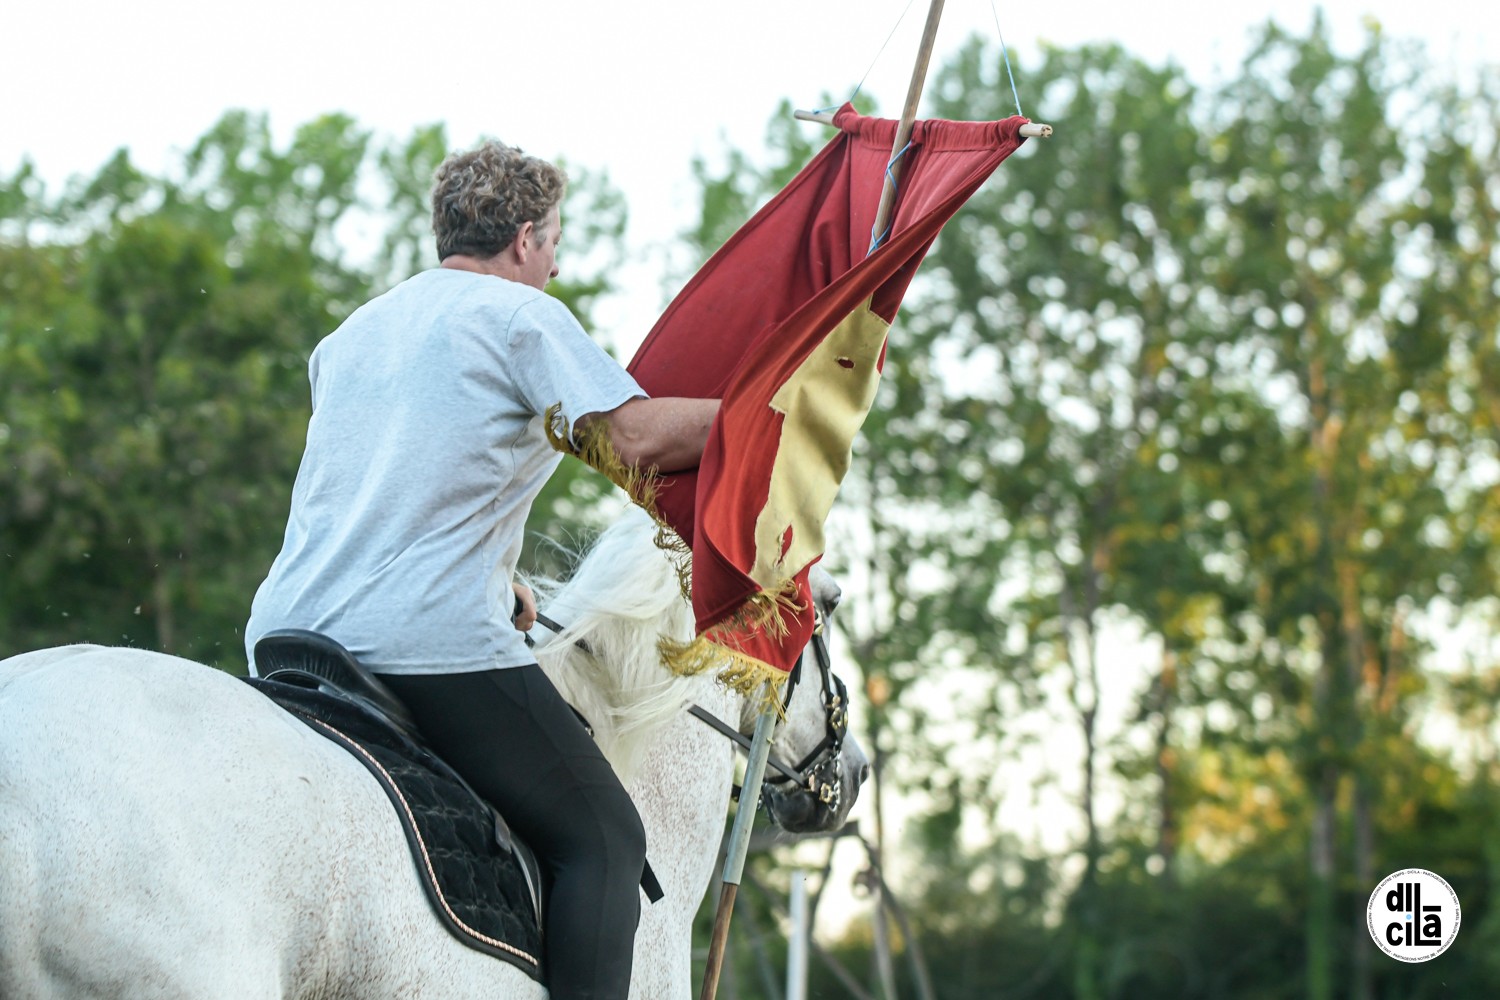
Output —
(167, 832)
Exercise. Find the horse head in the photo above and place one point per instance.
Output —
(814, 741)
(605, 661)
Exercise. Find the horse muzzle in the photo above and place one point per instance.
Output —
(822, 802)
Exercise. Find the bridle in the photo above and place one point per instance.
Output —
(818, 773)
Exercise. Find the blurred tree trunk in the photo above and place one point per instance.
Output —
(1165, 760)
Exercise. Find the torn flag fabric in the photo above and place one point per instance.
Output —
(787, 323)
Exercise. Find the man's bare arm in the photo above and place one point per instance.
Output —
(668, 432)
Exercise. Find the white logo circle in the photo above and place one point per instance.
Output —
(1413, 915)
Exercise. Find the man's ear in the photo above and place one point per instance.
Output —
(521, 245)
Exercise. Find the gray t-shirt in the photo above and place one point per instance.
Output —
(425, 451)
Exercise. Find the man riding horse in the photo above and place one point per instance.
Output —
(427, 446)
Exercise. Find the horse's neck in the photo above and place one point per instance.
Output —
(682, 792)
(621, 600)
(679, 773)
(627, 703)
(618, 605)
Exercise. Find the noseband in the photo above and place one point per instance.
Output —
(818, 773)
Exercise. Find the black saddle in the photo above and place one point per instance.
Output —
(311, 659)
(482, 880)
(484, 883)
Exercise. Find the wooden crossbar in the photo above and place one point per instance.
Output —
(1032, 130)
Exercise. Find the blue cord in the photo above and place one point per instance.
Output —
(876, 239)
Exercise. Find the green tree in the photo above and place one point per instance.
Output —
(1372, 512)
(154, 386)
(1210, 370)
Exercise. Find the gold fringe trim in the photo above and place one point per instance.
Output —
(719, 648)
(591, 445)
(762, 612)
(736, 670)
(677, 553)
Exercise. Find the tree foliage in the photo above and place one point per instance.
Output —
(1183, 441)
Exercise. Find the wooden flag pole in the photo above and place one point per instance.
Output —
(1030, 130)
(760, 744)
(739, 844)
(903, 129)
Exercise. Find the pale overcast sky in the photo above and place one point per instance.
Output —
(637, 88)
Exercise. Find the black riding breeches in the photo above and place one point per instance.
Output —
(517, 742)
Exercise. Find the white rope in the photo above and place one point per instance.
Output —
(881, 51)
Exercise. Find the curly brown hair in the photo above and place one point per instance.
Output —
(483, 197)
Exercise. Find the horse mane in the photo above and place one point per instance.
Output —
(623, 595)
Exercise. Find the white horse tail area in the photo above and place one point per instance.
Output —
(166, 832)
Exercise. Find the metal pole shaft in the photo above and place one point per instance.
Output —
(796, 946)
(739, 845)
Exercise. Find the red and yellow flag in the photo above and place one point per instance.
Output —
(787, 323)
